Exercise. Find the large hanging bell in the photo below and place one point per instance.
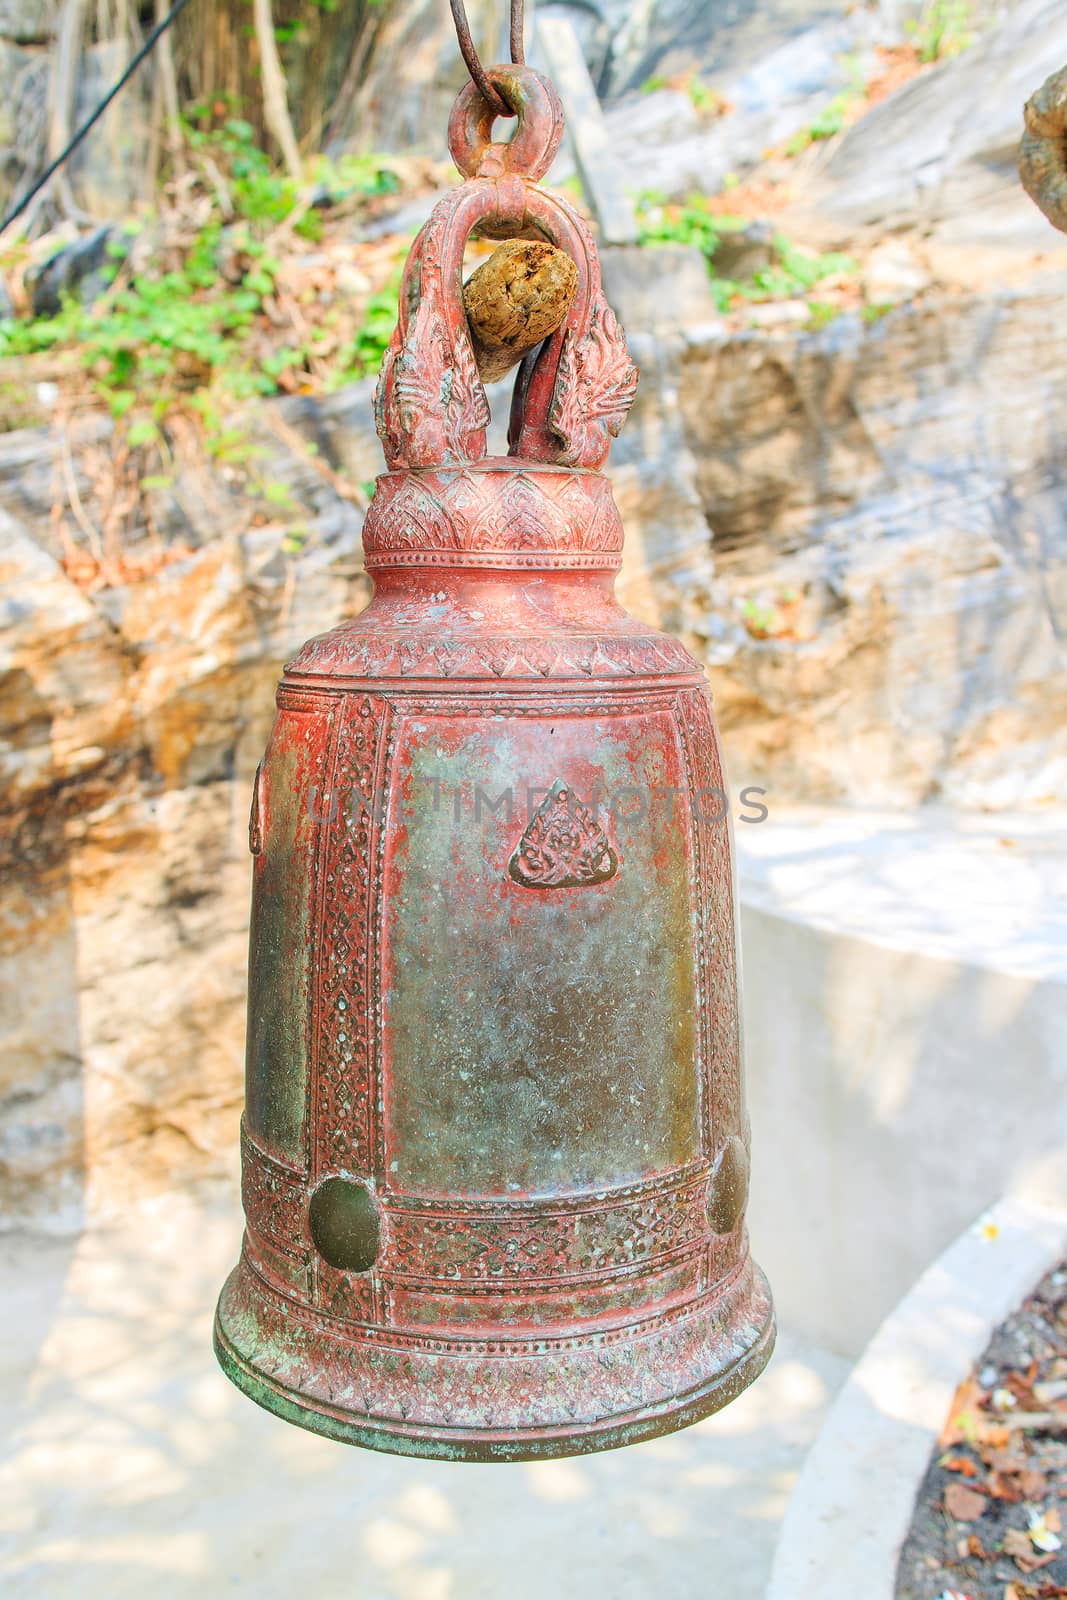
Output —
(495, 1150)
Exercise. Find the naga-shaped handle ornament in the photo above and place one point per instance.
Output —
(573, 393)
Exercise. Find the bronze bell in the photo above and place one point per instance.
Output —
(495, 1150)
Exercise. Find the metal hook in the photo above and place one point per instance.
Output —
(470, 56)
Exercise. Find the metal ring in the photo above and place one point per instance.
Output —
(531, 149)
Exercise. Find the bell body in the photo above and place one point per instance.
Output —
(495, 1147)
(495, 1154)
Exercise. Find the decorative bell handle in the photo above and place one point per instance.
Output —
(572, 395)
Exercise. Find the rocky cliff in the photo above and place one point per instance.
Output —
(888, 500)
(858, 526)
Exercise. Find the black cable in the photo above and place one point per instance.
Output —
(146, 49)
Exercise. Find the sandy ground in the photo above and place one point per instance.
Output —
(131, 1468)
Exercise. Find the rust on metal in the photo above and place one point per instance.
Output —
(495, 1149)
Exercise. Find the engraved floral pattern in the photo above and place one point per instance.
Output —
(542, 1242)
(345, 1029)
(595, 389)
(491, 512)
(563, 846)
(432, 404)
(719, 1016)
(274, 1198)
(508, 1388)
(351, 650)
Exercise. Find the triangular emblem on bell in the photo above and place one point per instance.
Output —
(495, 1148)
(563, 846)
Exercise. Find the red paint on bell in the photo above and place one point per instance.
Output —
(494, 1112)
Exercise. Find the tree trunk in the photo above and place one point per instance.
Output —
(219, 63)
(168, 82)
(374, 76)
(367, 75)
(414, 73)
(64, 82)
(275, 104)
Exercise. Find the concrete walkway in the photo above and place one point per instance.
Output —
(131, 1468)
(905, 1011)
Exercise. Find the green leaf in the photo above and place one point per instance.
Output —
(282, 360)
(120, 400)
(143, 432)
(278, 493)
(820, 313)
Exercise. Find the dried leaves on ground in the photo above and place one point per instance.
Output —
(990, 1520)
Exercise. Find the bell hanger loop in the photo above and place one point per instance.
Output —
(571, 393)
(503, 91)
(532, 147)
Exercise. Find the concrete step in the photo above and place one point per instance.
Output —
(905, 1006)
(132, 1467)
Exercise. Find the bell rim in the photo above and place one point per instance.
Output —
(539, 1443)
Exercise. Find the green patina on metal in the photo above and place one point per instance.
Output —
(683, 1412)
(495, 1159)
(561, 1051)
(283, 888)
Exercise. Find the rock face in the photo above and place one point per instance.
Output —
(626, 44)
(78, 269)
(860, 529)
(131, 721)
(885, 503)
(28, 21)
(922, 159)
(410, 73)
